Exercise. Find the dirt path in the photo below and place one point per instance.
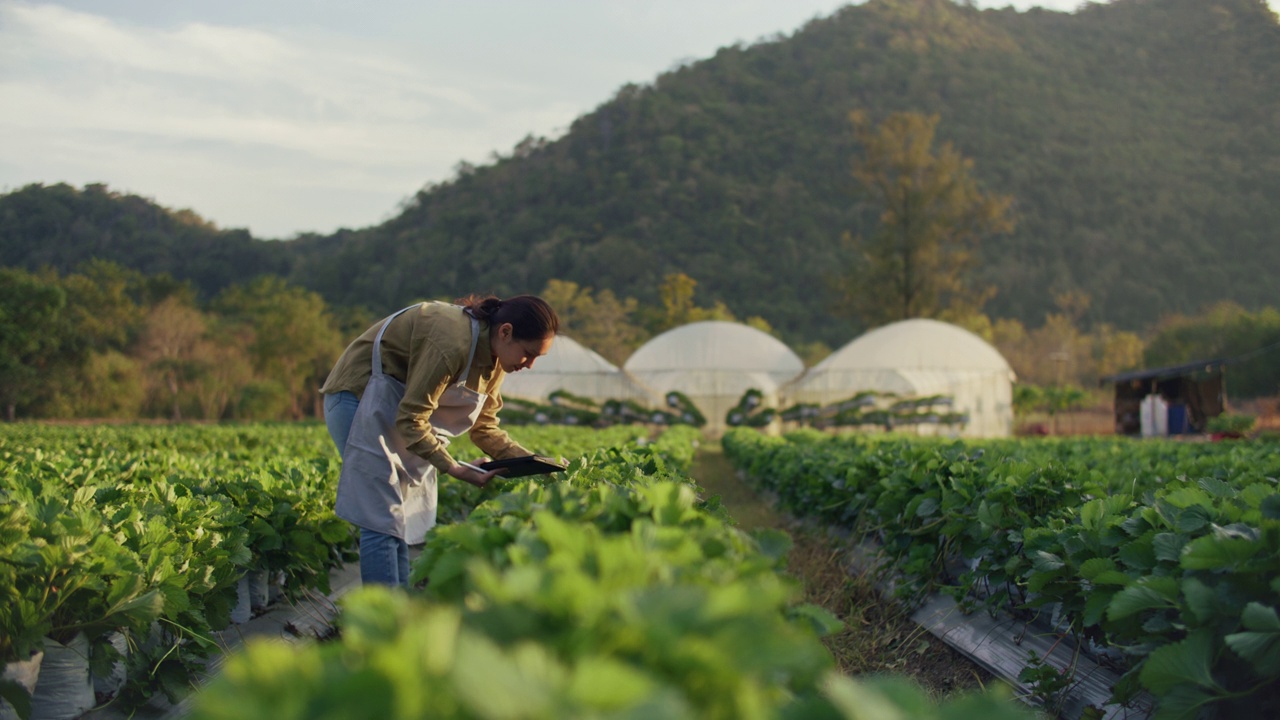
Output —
(879, 636)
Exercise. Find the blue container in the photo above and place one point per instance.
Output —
(1179, 419)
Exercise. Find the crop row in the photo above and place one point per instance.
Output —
(611, 591)
(151, 532)
(1168, 552)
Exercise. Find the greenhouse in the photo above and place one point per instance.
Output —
(714, 363)
(572, 367)
(919, 358)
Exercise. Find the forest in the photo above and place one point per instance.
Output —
(109, 342)
(1134, 142)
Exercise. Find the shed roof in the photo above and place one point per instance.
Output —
(1192, 368)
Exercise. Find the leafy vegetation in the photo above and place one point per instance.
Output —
(1134, 136)
(610, 591)
(110, 342)
(1166, 551)
(921, 257)
(1123, 132)
(149, 530)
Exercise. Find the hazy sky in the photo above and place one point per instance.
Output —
(286, 116)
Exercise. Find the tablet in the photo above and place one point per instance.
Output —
(522, 466)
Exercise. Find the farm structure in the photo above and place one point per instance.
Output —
(916, 358)
(1171, 400)
(575, 368)
(715, 363)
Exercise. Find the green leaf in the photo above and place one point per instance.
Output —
(927, 507)
(1168, 546)
(1193, 518)
(1182, 703)
(1259, 617)
(1261, 645)
(1217, 553)
(1181, 664)
(1113, 577)
(1091, 513)
(1199, 598)
(989, 514)
(1046, 562)
(1216, 487)
(821, 620)
(1093, 567)
(1271, 507)
(1135, 599)
(1095, 607)
(774, 544)
(1138, 554)
(17, 696)
(607, 683)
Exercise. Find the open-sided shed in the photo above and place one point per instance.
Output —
(1188, 395)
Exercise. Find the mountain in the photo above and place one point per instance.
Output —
(60, 227)
(1140, 140)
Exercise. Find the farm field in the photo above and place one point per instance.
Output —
(615, 590)
(879, 635)
(1159, 558)
(629, 572)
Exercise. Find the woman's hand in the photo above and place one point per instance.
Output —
(472, 475)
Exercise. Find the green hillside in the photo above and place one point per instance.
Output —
(61, 227)
(1140, 139)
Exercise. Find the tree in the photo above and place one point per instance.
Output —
(601, 321)
(678, 307)
(28, 308)
(292, 338)
(1250, 340)
(918, 261)
(169, 345)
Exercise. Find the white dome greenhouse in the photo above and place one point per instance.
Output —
(918, 358)
(714, 363)
(574, 368)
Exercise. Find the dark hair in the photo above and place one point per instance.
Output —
(530, 316)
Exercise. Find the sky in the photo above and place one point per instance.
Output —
(293, 116)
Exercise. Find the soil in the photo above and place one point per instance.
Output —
(879, 635)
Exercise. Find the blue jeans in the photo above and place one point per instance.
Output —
(384, 559)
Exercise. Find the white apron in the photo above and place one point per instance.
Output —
(383, 486)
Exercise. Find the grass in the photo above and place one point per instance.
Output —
(879, 635)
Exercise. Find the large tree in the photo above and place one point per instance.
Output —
(291, 336)
(919, 260)
(599, 321)
(29, 308)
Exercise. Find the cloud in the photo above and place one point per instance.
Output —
(233, 85)
(291, 115)
(96, 99)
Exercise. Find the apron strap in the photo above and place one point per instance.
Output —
(475, 339)
(377, 341)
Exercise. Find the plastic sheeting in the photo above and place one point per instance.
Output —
(259, 589)
(111, 683)
(918, 358)
(25, 673)
(576, 369)
(64, 690)
(243, 610)
(714, 363)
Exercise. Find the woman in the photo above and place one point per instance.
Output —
(399, 392)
